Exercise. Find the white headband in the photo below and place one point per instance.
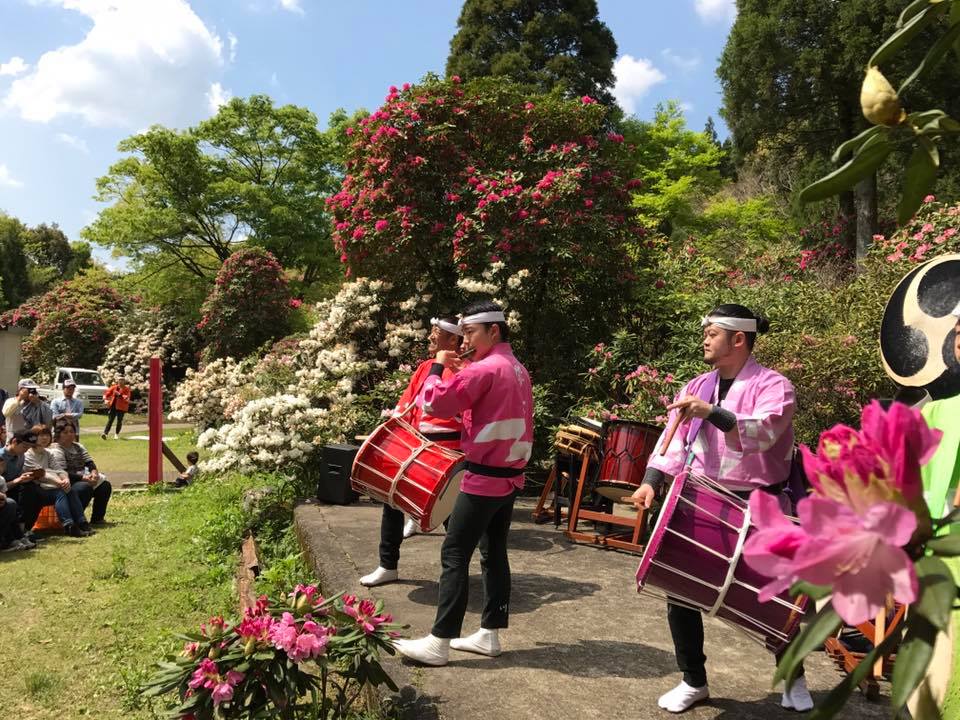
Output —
(731, 323)
(492, 316)
(956, 311)
(448, 326)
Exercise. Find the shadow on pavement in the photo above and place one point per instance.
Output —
(528, 592)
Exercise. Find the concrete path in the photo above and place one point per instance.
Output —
(582, 643)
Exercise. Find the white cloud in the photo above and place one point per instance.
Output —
(14, 67)
(74, 142)
(292, 6)
(217, 96)
(684, 63)
(232, 39)
(686, 107)
(725, 10)
(141, 63)
(634, 77)
(6, 179)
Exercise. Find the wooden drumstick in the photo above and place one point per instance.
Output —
(466, 353)
(671, 432)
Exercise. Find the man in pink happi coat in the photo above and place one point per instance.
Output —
(495, 398)
(737, 429)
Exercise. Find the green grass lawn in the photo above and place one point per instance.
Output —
(84, 620)
(125, 455)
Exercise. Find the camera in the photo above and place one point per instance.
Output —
(32, 391)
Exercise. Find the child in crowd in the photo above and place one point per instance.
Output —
(187, 476)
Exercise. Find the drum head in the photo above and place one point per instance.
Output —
(444, 504)
(615, 491)
(917, 331)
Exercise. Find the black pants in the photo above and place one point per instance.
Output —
(686, 629)
(9, 522)
(29, 503)
(114, 413)
(476, 520)
(391, 535)
(100, 496)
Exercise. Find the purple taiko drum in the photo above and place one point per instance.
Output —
(694, 558)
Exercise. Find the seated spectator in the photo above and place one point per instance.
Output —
(37, 410)
(55, 486)
(87, 481)
(68, 407)
(187, 476)
(13, 407)
(11, 535)
(21, 484)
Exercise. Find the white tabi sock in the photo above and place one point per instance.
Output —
(682, 697)
(798, 696)
(410, 528)
(380, 576)
(482, 642)
(427, 650)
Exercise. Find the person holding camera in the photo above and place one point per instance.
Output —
(117, 398)
(37, 411)
(13, 407)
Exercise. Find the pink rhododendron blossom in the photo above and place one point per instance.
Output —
(365, 613)
(929, 198)
(381, 225)
(858, 555)
(587, 100)
(300, 643)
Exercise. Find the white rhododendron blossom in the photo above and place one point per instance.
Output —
(279, 433)
(204, 394)
(477, 287)
(143, 336)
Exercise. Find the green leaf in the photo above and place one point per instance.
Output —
(824, 624)
(854, 144)
(863, 164)
(814, 592)
(913, 658)
(918, 179)
(946, 546)
(893, 44)
(837, 697)
(934, 55)
(910, 10)
(937, 591)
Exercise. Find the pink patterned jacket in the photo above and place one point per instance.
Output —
(758, 452)
(495, 399)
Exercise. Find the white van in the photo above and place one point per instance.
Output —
(90, 387)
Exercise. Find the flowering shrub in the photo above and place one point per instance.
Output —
(303, 656)
(71, 324)
(934, 230)
(446, 179)
(623, 389)
(249, 305)
(864, 535)
(143, 335)
(277, 433)
(204, 395)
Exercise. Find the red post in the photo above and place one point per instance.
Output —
(155, 420)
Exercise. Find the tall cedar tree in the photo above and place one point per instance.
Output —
(544, 44)
(791, 73)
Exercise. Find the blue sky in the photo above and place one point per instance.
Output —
(77, 76)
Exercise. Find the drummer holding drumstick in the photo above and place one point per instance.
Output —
(496, 399)
(445, 335)
(734, 425)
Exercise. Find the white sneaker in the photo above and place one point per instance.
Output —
(380, 576)
(14, 546)
(798, 696)
(682, 697)
(482, 642)
(410, 528)
(427, 650)
(116, 436)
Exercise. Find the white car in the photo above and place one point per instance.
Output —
(90, 387)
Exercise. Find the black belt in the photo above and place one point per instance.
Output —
(493, 470)
(770, 489)
(441, 436)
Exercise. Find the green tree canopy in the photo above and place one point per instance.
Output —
(791, 73)
(254, 173)
(52, 256)
(14, 280)
(546, 44)
(679, 167)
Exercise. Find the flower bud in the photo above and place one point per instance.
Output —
(303, 602)
(250, 647)
(214, 652)
(879, 100)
